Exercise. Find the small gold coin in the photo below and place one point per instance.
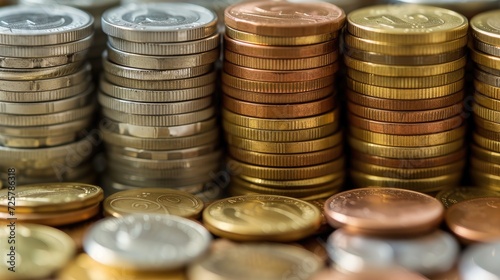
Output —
(486, 143)
(485, 59)
(407, 173)
(279, 41)
(486, 27)
(262, 217)
(56, 218)
(485, 154)
(455, 195)
(292, 184)
(52, 197)
(153, 201)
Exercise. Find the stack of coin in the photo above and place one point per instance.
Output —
(156, 91)
(485, 52)
(46, 94)
(52, 204)
(468, 8)
(280, 115)
(405, 70)
(96, 8)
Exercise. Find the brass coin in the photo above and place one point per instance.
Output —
(406, 116)
(56, 218)
(283, 19)
(485, 59)
(406, 128)
(490, 134)
(279, 41)
(487, 102)
(485, 27)
(323, 195)
(401, 24)
(487, 78)
(485, 166)
(153, 200)
(285, 111)
(407, 60)
(407, 173)
(405, 93)
(293, 184)
(486, 113)
(485, 180)
(489, 70)
(279, 52)
(272, 98)
(410, 163)
(486, 143)
(262, 217)
(406, 82)
(455, 195)
(484, 154)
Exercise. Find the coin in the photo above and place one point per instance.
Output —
(37, 62)
(161, 120)
(408, 172)
(33, 241)
(279, 75)
(455, 195)
(485, 59)
(407, 60)
(271, 98)
(479, 260)
(417, 213)
(262, 217)
(56, 218)
(485, 27)
(410, 162)
(162, 155)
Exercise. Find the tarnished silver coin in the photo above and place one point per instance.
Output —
(146, 242)
(37, 25)
(159, 22)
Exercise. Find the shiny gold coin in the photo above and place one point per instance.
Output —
(424, 185)
(83, 267)
(455, 195)
(405, 152)
(262, 217)
(410, 163)
(408, 140)
(404, 71)
(485, 180)
(43, 251)
(56, 218)
(486, 143)
(406, 82)
(403, 24)
(279, 41)
(285, 147)
(404, 93)
(286, 160)
(395, 50)
(487, 102)
(298, 173)
(280, 135)
(485, 27)
(54, 197)
(323, 195)
(281, 124)
(484, 154)
(485, 59)
(153, 200)
(293, 184)
(490, 134)
(486, 113)
(407, 173)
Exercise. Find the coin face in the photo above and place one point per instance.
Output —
(279, 18)
(146, 242)
(262, 217)
(384, 211)
(153, 200)
(53, 197)
(486, 27)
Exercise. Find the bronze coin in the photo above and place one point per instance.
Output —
(272, 98)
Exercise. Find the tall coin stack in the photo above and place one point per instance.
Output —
(46, 94)
(485, 52)
(405, 90)
(156, 94)
(280, 112)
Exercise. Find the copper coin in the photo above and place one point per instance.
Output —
(405, 116)
(406, 128)
(386, 274)
(279, 52)
(57, 219)
(403, 104)
(283, 19)
(272, 98)
(280, 111)
(384, 211)
(280, 76)
(475, 220)
(410, 162)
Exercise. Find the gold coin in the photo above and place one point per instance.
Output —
(297, 173)
(486, 60)
(486, 143)
(395, 50)
(405, 71)
(280, 64)
(279, 41)
(280, 135)
(487, 102)
(83, 267)
(293, 184)
(405, 152)
(405, 93)
(424, 185)
(486, 113)
(262, 217)
(485, 180)
(54, 197)
(408, 60)
(281, 124)
(487, 78)
(406, 82)
(489, 70)
(486, 28)
(407, 24)
(485, 166)
(285, 147)
(407, 173)
(455, 195)
(408, 140)
(38, 251)
(484, 154)
(486, 89)
(153, 201)
(55, 218)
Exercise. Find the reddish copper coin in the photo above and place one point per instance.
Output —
(384, 211)
(410, 162)
(284, 19)
(475, 220)
(281, 111)
(272, 98)
(386, 274)
(406, 128)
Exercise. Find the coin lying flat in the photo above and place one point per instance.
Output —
(480, 261)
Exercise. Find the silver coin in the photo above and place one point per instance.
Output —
(159, 22)
(37, 25)
(146, 242)
(481, 261)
